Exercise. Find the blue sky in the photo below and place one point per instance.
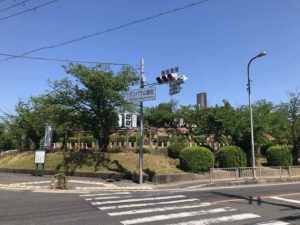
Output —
(211, 43)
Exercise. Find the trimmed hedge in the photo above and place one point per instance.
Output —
(145, 150)
(232, 156)
(133, 139)
(200, 139)
(279, 156)
(121, 139)
(174, 149)
(196, 159)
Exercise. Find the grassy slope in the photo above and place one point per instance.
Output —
(119, 162)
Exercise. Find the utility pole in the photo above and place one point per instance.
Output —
(141, 126)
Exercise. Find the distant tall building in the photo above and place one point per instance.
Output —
(201, 100)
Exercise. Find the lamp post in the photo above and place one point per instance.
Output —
(250, 108)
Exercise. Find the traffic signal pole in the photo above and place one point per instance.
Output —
(141, 127)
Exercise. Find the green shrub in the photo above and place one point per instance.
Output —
(232, 156)
(133, 139)
(279, 156)
(115, 150)
(145, 150)
(88, 139)
(264, 147)
(121, 139)
(174, 149)
(112, 138)
(179, 140)
(163, 138)
(200, 139)
(196, 159)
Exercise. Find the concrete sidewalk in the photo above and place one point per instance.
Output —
(17, 181)
(14, 181)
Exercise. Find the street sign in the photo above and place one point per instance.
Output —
(140, 95)
(40, 156)
(171, 70)
(174, 89)
(134, 120)
(120, 120)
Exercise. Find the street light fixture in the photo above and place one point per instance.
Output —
(251, 117)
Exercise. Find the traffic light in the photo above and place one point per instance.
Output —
(167, 78)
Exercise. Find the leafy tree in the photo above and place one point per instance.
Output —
(161, 115)
(6, 141)
(27, 125)
(94, 97)
(187, 113)
(219, 121)
(294, 119)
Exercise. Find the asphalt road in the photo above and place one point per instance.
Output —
(278, 205)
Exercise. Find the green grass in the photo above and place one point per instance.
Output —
(117, 162)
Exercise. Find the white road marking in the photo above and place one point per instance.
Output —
(148, 204)
(162, 209)
(107, 197)
(286, 200)
(176, 215)
(137, 200)
(273, 222)
(222, 219)
(103, 194)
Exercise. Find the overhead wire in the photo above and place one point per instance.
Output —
(15, 5)
(64, 60)
(109, 30)
(27, 10)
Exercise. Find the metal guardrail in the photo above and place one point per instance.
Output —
(247, 172)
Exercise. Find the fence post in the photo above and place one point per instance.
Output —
(259, 171)
(280, 172)
(237, 173)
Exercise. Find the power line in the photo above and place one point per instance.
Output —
(15, 5)
(109, 30)
(27, 10)
(64, 60)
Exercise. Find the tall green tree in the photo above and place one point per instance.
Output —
(93, 95)
(294, 119)
(162, 115)
(28, 123)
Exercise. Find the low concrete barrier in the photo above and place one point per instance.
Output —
(177, 177)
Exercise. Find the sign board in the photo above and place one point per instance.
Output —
(134, 120)
(40, 156)
(48, 137)
(171, 70)
(120, 120)
(127, 120)
(174, 89)
(140, 95)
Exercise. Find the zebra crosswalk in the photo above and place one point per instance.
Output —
(169, 210)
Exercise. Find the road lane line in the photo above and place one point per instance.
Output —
(107, 197)
(176, 215)
(222, 219)
(103, 194)
(148, 204)
(243, 198)
(138, 199)
(286, 200)
(162, 209)
(273, 222)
